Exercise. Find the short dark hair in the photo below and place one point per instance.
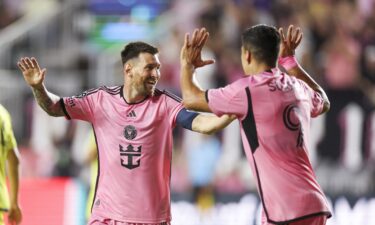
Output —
(263, 42)
(133, 49)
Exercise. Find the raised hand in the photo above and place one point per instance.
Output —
(290, 42)
(191, 51)
(31, 71)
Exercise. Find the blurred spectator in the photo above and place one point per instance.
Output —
(9, 12)
(51, 140)
(202, 156)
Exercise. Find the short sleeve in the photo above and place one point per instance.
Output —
(174, 106)
(10, 140)
(317, 103)
(79, 107)
(316, 100)
(227, 100)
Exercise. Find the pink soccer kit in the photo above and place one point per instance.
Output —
(274, 111)
(135, 152)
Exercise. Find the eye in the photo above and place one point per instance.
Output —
(149, 67)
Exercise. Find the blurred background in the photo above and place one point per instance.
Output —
(79, 42)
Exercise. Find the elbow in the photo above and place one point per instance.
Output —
(326, 103)
(188, 103)
(50, 113)
(208, 132)
(192, 100)
(13, 159)
(16, 162)
(326, 106)
(53, 111)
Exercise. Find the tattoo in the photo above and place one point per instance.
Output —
(48, 102)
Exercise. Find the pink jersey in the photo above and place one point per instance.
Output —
(135, 152)
(274, 111)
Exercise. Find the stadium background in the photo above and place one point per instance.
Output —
(79, 41)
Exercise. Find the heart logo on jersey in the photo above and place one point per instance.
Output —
(130, 132)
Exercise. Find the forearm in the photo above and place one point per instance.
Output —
(14, 168)
(297, 71)
(193, 97)
(47, 101)
(209, 124)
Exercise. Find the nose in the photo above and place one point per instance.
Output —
(155, 73)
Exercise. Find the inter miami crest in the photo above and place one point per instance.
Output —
(130, 132)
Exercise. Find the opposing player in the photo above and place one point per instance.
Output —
(274, 111)
(8, 155)
(133, 129)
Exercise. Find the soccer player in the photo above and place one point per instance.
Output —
(274, 111)
(133, 130)
(8, 153)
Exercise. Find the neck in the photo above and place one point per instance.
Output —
(257, 68)
(132, 95)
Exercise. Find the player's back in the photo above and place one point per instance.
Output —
(275, 134)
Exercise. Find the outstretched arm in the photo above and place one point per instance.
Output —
(34, 77)
(288, 61)
(209, 124)
(14, 215)
(190, 57)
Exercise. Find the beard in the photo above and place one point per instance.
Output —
(149, 89)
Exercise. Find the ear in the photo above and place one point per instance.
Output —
(248, 56)
(127, 69)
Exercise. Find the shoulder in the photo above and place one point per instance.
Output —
(4, 114)
(167, 95)
(235, 88)
(115, 90)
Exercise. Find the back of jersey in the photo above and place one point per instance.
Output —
(282, 107)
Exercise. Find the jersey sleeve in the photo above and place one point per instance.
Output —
(174, 106)
(227, 100)
(316, 100)
(9, 141)
(79, 107)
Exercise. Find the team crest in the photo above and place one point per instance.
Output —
(130, 132)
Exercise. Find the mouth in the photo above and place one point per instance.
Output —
(151, 82)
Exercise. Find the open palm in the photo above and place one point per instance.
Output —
(290, 42)
(31, 71)
(191, 52)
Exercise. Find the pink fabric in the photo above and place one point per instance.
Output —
(282, 107)
(97, 220)
(135, 153)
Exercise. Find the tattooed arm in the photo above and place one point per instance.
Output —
(34, 77)
(48, 101)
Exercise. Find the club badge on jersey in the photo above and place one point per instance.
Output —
(130, 157)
